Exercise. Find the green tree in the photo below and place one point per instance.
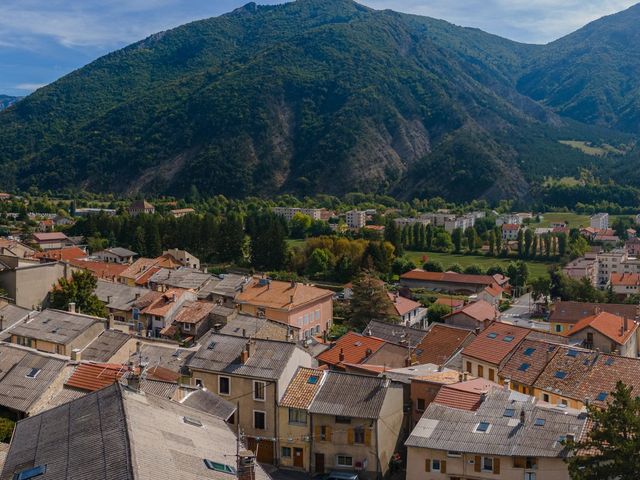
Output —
(230, 239)
(393, 235)
(267, 233)
(562, 243)
(369, 301)
(456, 238)
(528, 241)
(433, 266)
(540, 288)
(455, 267)
(472, 239)
(498, 235)
(578, 247)
(621, 224)
(611, 449)
(520, 243)
(437, 312)
(442, 242)
(428, 237)
(299, 225)
(402, 265)
(473, 269)
(79, 290)
(492, 243)
(320, 262)
(6, 429)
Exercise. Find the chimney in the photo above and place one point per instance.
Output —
(244, 333)
(246, 465)
(137, 296)
(108, 299)
(1, 322)
(111, 322)
(290, 298)
(465, 376)
(341, 355)
(460, 377)
(293, 284)
(76, 355)
(72, 307)
(626, 324)
(173, 297)
(522, 417)
(133, 382)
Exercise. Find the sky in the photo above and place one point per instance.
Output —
(42, 40)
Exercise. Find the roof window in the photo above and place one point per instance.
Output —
(602, 396)
(492, 335)
(560, 374)
(33, 373)
(483, 427)
(192, 421)
(529, 351)
(313, 379)
(508, 338)
(524, 367)
(219, 467)
(539, 422)
(30, 473)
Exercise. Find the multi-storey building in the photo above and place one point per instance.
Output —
(289, 212)
(356, 218)
(599, 221)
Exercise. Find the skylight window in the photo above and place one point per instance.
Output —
(219, 467)
(560, 374)
(509, 412)
(492, 335)
(609, 361)
(483, 427)
(211, 346)
(313, 379)
(192, 421)
(508, 338)
(33, 373)
(602, 396)
(31, 473)
(524, 367)
(529, 351)
(572, 353)
(539, 422)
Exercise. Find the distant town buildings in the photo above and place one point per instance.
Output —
(356, 219)
(599, 221)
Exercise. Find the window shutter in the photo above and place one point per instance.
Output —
(318, 433)
(329, 434)
(427, 465)
(350, 435)
(477, 463)
(367, 437)
(496, 466)
(443, 466)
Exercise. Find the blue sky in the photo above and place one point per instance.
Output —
(42, 40)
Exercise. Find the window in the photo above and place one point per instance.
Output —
(219, 467)
(453, 454)
(340, 419)
(298, 416)
(198, 382)
(259, 420)
(344, 461)
(324, 433)
(529, 351)
(480, 371)
(358, 435)
(487, 464)
(545, 397)
(31, 473)
(306, 319)
(192, 421)
(558, 328)
(259, 390)
(509, 412)
(508, 338)
(572, 353)
(313, 379)
(224, 385)
(317, 315)
(492, 335)
(492, 374)
(539, 422)
(33, 373)
(420, 404)
(483, 427)
(524, 367)
(602, 396)
(560, 374)
(435, 465)
(469, 367)
(286, 452)
(186, 327)
(563, 402)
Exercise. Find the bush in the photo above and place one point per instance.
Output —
(432, 266)
(6, 429)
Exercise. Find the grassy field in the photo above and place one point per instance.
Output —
(536, 269)
(575, 220)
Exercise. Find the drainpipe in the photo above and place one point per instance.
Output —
(379, 470)
(311, 439)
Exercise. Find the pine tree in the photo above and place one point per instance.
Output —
(369, 302)
(456, 238)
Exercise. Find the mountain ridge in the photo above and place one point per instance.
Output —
(305, 97)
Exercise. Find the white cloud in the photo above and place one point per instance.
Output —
(30, 87)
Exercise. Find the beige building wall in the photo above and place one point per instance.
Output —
(480, 369)
(297, 438)
(605, 345)
(30, 285)
(419, 466)
(390, 430)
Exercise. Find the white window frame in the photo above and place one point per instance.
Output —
(254, 419)
(187, 327)
(264, 391)
(229, 383)
(482, 467)
(433, 464)
(338, 464)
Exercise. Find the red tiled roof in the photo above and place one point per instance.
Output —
(625, 279)
(481, 311)
(528, 361)
(441, 342)
(281, 295)
(64, 254)
(402, 305)
(449, 277)
(193, 312)
(494, 290)
(107, 271)
(49, 236)
(354, 347)
(510, 226)
(161, 305)
(94, 376)
(573, 312)
(162, 374)
(453, 303)
(496, 342)
(464, 395)
(609, 325)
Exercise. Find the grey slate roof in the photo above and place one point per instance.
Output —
(55, 326)
(183, 277)
(221, 353)
(121, 252)
(19, 392)
(227, 285)
(162, 355)
(116, 434)
(445, 428)
(105, 346)
(350, 395)
(208, 402)
(11, 314)
(118, 296)
(398, 334)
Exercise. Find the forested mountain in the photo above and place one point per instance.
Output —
(7, 100)
(310, 96)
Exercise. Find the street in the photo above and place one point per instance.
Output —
(519, 314)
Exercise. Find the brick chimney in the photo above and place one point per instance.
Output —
(341, 355)
(246, 465)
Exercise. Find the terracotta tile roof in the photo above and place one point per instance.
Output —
(603, 375)
(138, 267)
(160, 373)
(500, 279)
(194, 312)
(481, 311)
(464, 395)
(403, 305)
(365, 367)
(161, 305)
(566, 370)
(446, 377)
(573, 312)
(303, 388)
(625, 279)
(448, 277)
(495, 343)
(146, 276)
(355, 347)
(453, 303)
(65, 254)
(95, 376)
(280, 295)
(528, 361)
(609, 325)
(104, 270)
(441, 342)
(510, 226)
(494, 290)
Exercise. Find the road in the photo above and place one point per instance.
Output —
(518, 314)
